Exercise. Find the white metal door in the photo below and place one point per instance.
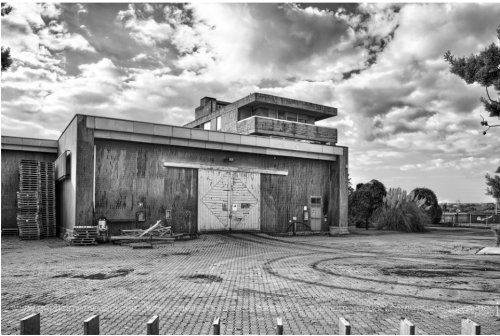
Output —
(315, 203)
(228, 200)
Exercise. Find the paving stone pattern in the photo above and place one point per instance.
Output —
(249, 280)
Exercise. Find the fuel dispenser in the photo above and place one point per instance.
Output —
(102, 228)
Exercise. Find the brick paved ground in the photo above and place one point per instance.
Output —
(433, 279)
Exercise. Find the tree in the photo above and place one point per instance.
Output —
(365, 200)
(350, 189)
(6, 59)
(431, 203)
(6, 9)
(483, 69)
(493, 185)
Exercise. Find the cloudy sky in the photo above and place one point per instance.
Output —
(407, 121)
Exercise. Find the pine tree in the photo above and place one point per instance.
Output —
(6, 59)
(493, 185)
(483, 69)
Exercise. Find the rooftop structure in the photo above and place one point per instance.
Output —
(266, 115)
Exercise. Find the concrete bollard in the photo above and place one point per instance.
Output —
(279, 326)
(153, 326)
(30, 325)
(470, 327)
(91, 325)
(344, 326)
(406, 327)
(217, 326)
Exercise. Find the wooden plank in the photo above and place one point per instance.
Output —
(30, 325)
(225, 168)
(132, 238)
(141, 246)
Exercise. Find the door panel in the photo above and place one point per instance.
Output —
(316, 213)
(228, 201)
(213, 200)
(246, 195)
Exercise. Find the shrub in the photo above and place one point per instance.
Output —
(496, 231)
(401, 212)
(365, 200)
(431, 203)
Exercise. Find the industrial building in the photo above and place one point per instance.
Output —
(252, 165)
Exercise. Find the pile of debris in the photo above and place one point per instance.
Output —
(155, 235)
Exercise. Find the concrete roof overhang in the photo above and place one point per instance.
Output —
(319, 112)
(29, 144)
(135, 131)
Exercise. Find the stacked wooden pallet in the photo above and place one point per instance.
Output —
(84, 235)
(28, 201)
(10, 231)
(46, 187)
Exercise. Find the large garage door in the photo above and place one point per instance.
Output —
(228, 201)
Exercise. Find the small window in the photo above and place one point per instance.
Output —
(301, 118)
(291, 116)
(315, 200)
(282, 115)
(219, 123)
(206, 125)
(272, 113)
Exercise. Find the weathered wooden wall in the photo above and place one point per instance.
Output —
(283, 197)
(10, 181)
(127, 173)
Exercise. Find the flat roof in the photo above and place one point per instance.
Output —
(137, 131)
(29, 144)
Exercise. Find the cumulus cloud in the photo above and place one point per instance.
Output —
(400, 110)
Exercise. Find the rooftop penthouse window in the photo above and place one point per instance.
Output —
(275, 114)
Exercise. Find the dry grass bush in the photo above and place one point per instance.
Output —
(401, 212)
(407, 218)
